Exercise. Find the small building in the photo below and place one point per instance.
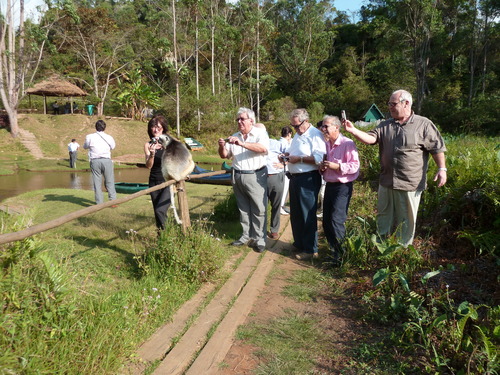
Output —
(57, 87)
(373, 114)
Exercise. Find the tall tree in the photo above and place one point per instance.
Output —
(94, 39)
(17, 58)
(302, 45)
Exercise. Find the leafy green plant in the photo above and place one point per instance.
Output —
(135, 96)
(192, 258)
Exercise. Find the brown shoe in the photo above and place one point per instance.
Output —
(306, 256)
(273, 236)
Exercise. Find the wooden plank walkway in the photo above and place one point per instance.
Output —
(194, 352)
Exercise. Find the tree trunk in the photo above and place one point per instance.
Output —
(197, 58)
(212, 29)
(257, 65)
(472, 56)
(176, 65)
(9, 70)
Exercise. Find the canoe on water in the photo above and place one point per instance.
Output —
(129, 187)
(223, 179)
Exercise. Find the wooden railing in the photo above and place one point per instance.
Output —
(181, 198)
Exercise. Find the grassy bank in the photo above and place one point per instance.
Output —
(80, 298)
(53, 133)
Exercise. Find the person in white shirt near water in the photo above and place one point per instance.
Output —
(100, 145)
(73, 147)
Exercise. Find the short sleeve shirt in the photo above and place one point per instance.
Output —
(244, 159)
(404, 151)
(311, 143)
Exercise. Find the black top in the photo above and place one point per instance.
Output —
(155, 175)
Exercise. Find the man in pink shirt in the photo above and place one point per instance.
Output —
(339, 170)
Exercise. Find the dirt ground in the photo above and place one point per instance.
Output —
(335, 315)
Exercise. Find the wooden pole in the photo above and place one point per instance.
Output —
(22, 234)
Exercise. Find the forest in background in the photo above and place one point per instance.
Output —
(196, 61)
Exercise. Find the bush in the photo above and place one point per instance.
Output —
(193, 257)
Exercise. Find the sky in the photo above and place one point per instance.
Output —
(343, 5)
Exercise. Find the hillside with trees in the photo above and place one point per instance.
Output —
(197, 61)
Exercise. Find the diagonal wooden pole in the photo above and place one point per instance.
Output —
(22, 234)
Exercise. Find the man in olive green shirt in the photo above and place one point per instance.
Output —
(405, 142)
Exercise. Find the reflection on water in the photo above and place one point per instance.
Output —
(23, 181)
(76, 181)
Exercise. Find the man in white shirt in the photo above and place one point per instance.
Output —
(100, 145)
(73, 147)
(248, 150)
(304, 156)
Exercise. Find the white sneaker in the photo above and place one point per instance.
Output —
(283, 212)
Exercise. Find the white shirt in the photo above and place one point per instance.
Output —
(310, 143)
(276, 148)
(73, 146)
(246, 160)
(99, 145)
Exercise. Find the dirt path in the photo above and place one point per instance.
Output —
(252, 294)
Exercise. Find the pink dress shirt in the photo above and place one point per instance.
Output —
(345, 153)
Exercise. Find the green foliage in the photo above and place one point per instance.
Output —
(469, 203)
(134, 96)
(304, 285)
(289, 343)
(88, 286)
(191, 258)
(431, 321)
(227, 209)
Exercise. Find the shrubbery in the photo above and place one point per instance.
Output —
(411, 286)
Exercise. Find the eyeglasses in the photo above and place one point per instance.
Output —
(393, 104)
(241, 119)
(324, 126)
(299, 125)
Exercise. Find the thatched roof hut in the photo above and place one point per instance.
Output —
(55, 86)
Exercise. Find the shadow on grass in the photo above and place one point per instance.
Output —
(69, 199)
(91, 244)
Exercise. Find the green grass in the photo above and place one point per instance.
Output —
(83, 296)
(304, 286)
(287, 345)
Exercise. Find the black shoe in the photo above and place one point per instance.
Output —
(260, 248)
(238, 243)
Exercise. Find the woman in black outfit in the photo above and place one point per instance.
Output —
(153, 150)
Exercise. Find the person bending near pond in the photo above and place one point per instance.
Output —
(100, 145)
(248, 149)
(153, 151)
(339, 170)
(73, 147)
(405, 142)
(304, 156)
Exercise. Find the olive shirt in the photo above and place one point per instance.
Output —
(404, 151)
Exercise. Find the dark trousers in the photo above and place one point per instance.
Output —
(335, 206)
(275, 184)
(304, 189)
(161, 200)
(72, 159)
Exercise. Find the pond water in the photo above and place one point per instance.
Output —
(24, 181)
